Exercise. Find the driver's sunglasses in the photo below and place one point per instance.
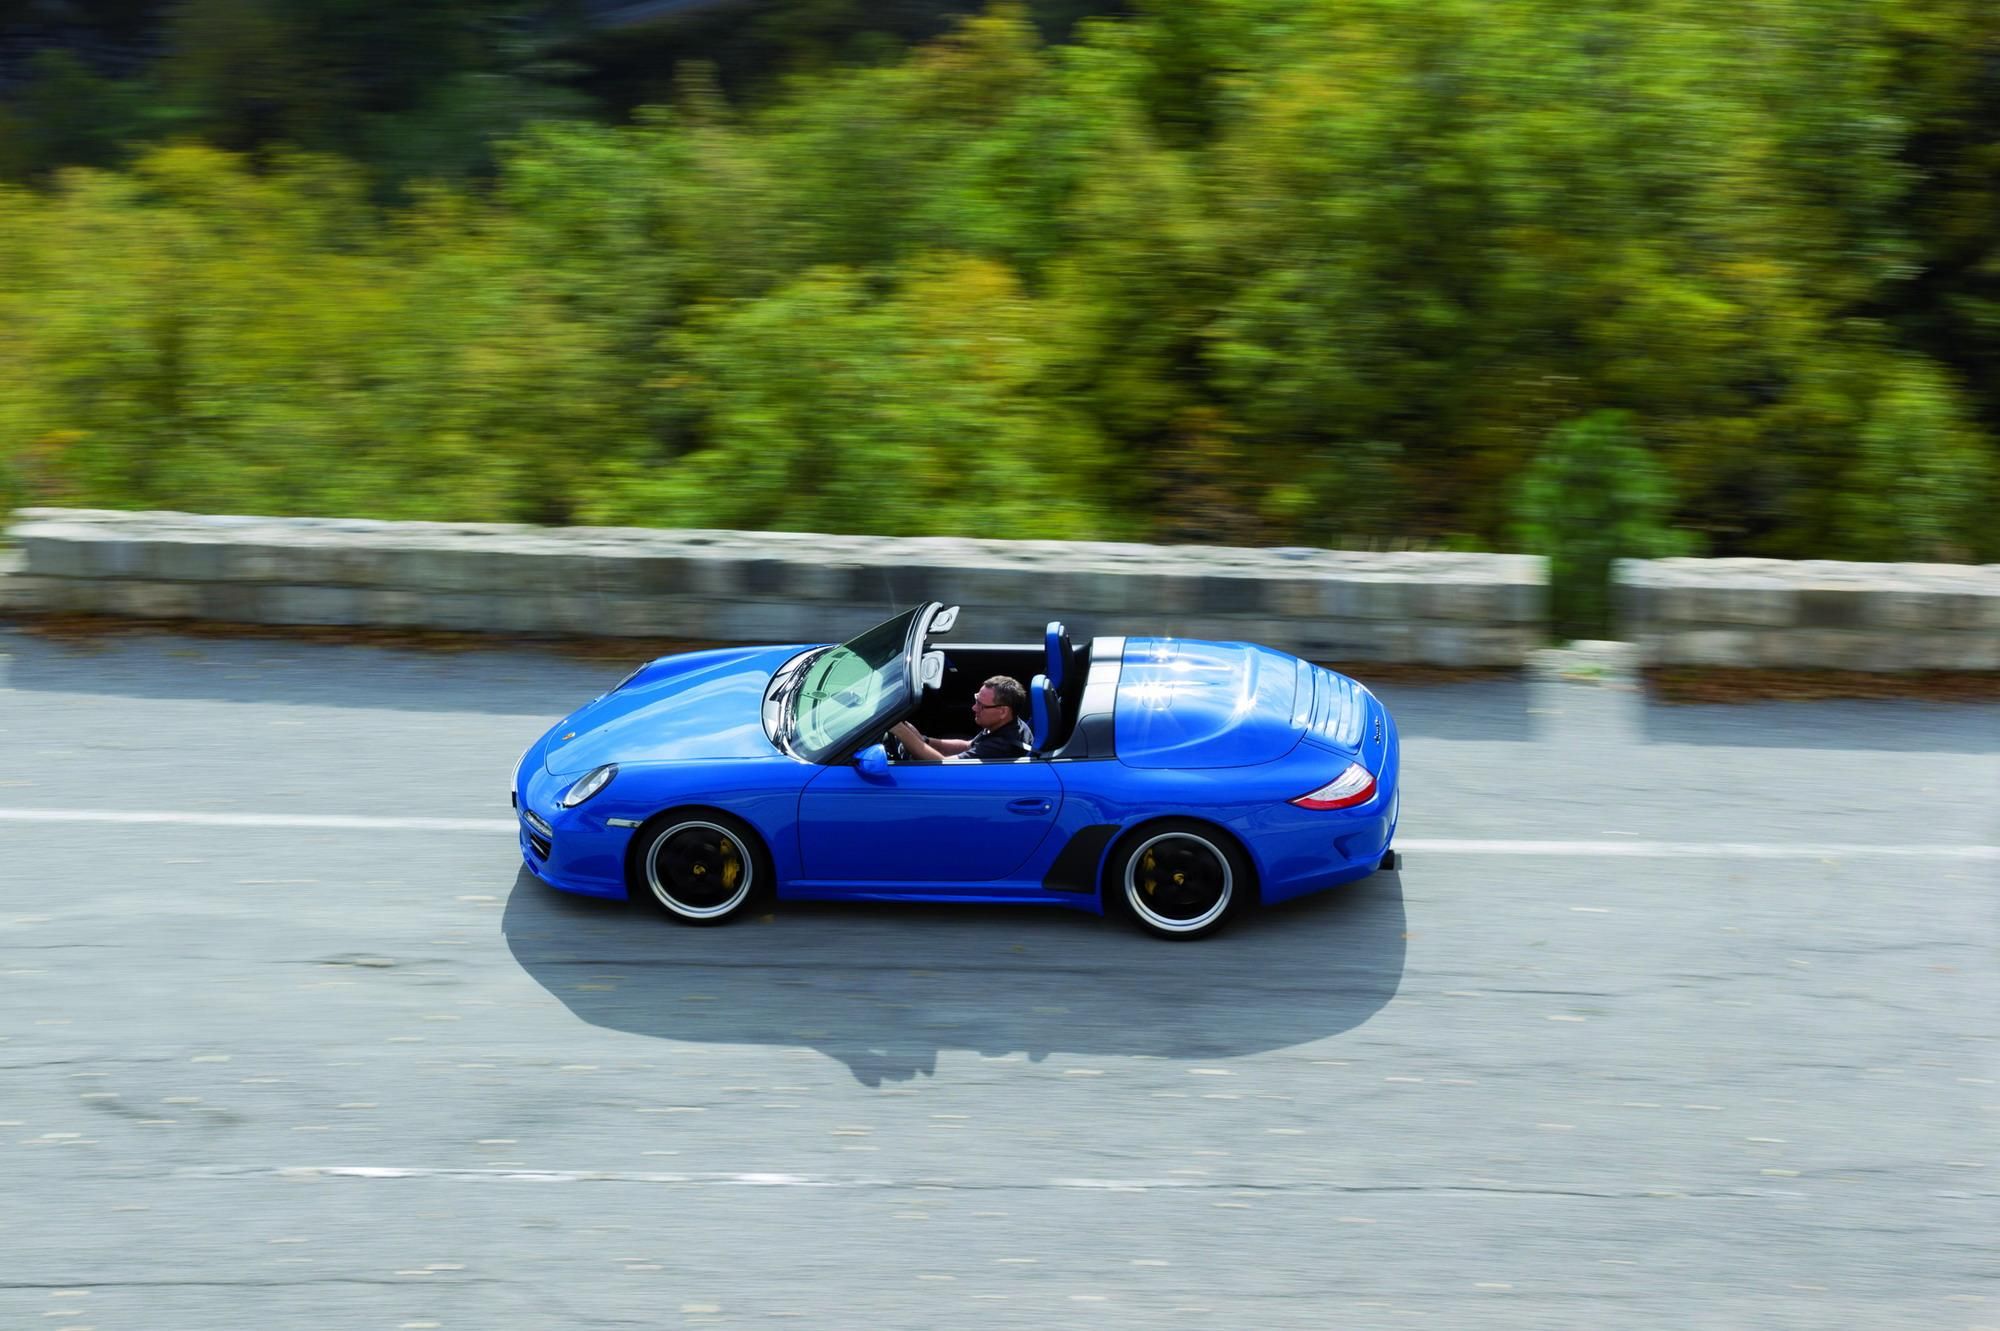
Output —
(979, 706)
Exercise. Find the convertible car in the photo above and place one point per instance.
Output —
(1171, 780)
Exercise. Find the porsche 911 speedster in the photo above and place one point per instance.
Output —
(1172, 780)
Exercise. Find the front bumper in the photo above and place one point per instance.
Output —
(573, 850)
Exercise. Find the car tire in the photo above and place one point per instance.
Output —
(1178, 879)
(698, 866)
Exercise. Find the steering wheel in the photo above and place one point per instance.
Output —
(894, 747)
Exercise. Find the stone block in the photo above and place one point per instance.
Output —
(391, 607)
(1831, 607)
(1465, 646)
(256, 561)
(1948, 650)
(1828, 649)
(114, 555)
(1228, 594)
(304, 563)
(1011, 587)
(1462, 602)
(1369, 596)
(188, 560)
(1164, 594)
(1909, 609)
(1083, 593)
(870, 583)
(231, 602)
(1704, 647)
(1632, 609)
(311, 605)
(25, 593)
(646, 572)
(826, 579)
(1521, 602)
(49, 553)
(1293, 596)
(1673, 607)
(465, 612)
(1344, 639)
(424, 568)
(1972, 610)
(150, 600)
(762, 621)
(1236, 628)
(1771, 605)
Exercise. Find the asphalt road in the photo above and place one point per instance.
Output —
(367, 1075)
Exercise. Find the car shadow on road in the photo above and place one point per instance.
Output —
(887, 988)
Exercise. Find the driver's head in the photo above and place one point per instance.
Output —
(999, 702)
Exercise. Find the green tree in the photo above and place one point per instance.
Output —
(1593, 495)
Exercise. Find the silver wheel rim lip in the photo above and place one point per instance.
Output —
(665, 897)
(1136, 899)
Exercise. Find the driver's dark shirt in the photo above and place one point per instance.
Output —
(1015, 741)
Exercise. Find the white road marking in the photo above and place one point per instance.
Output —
(1570, 849)
(301, 821)
(1672, 850)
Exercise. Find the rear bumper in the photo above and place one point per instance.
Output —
(1306, 850)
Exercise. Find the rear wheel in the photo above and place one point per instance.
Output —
(1179, 879)
(699, 866)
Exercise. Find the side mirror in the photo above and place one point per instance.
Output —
(873, 762)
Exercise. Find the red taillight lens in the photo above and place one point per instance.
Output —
(1353, 786)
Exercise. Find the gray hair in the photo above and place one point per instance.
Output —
(1007, 692)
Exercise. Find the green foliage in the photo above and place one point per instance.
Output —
(1593, 495)
(1451, 272)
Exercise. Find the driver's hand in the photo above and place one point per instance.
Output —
(906, 733)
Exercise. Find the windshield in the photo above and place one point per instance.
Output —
(851, 686)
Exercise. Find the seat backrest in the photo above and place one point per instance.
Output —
(1045, 710)
(1055, 646)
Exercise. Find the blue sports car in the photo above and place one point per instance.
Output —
(1172, 780)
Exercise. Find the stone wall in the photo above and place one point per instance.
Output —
(725, 586)
(1811, 614)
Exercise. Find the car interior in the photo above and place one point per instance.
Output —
(1053, 673)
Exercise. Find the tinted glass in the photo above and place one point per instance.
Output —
(848, 686)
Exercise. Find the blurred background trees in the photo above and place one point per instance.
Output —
(1467, 273)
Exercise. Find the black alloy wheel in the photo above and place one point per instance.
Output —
(1179, 880)
(700, 867)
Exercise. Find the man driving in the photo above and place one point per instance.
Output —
(996, 708)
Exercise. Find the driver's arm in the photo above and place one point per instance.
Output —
(927, 750)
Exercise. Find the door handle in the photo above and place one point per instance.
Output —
(1029, 806)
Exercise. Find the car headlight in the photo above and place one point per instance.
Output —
(596, 779)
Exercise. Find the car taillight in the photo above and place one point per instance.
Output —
(1353, 786)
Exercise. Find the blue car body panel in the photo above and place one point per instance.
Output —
(1227, 733)
(698, 707)
(1190, 704)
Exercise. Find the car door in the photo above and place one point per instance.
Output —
(926, 826)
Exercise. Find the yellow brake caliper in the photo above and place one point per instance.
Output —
(732, 867)
(1151, 884)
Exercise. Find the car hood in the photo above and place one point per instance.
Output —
(1183, 703)
(704, 706)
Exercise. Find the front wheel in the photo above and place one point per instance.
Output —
(699, 866)
(1180, 879)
